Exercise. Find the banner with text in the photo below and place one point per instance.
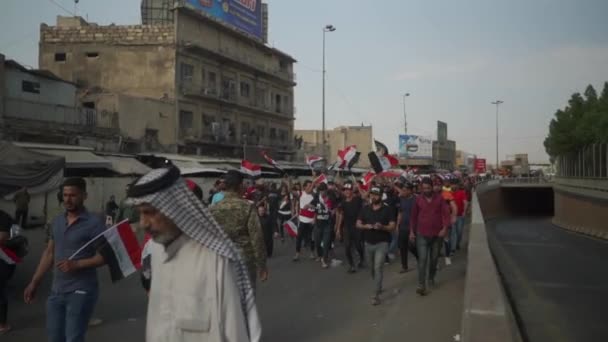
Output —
(480, 165)
(415, 147)
(245, 15)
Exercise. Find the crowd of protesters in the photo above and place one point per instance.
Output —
(376, 221)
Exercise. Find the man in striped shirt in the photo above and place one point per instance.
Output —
(307, 220)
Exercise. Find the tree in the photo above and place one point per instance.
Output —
(583, 122)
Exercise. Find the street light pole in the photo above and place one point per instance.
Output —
(497, 103)
(404, 113)
(327, 28)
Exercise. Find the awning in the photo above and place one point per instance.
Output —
(77, 159)
(192, 167)
(126, 165)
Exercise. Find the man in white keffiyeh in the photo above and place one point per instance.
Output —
(200, 287)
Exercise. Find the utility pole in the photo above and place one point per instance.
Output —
(327, 28)
(405, 114)
(497, 103)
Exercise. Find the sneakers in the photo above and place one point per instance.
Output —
(312, 256)
(351, 270)
(375, 301)
(323, 264)
(421, 291)
(448, 261)
(404, 270)
(296, 258)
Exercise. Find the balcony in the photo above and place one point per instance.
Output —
(188, 89)
(243, 61)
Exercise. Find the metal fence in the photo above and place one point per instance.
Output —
(589, 162)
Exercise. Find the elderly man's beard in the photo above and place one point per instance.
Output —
(164, 238)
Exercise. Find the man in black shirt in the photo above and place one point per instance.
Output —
(348, 212)
(378, 222)
(323, 207)
(7, 268)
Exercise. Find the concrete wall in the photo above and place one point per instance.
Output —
(136, 60)
(487, 315)
(134, 115)
(582, 211)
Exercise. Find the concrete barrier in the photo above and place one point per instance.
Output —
(487, 314)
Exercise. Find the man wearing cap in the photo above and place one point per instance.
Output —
(377, 222)
(429, 224)
(201, 289)
(240, 221)
(348, 212)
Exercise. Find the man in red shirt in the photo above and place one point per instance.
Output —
(429, 224)
(462, 203)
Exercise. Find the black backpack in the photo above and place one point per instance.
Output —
(19, 244)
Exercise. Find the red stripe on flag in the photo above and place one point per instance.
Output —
(130, 241)
(8, 256)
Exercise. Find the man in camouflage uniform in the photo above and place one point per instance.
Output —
(240, 221)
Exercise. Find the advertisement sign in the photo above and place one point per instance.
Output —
(245, 15)
(480, 165)
(415, 147)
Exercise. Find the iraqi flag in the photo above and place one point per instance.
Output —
(321, 179)
(313, 161)
(291, 227)
(8, 256)
(367, 180)
(250, 168)
(119, 248)
(346, 155)
(271, 161)
(381, 160)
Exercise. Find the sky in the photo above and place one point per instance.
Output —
(453, 57)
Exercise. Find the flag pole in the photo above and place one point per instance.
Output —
(95, 238)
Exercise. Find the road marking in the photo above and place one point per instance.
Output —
(532, 244)
(486, 312)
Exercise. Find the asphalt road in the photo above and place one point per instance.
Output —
(558, 280)
(301, 302)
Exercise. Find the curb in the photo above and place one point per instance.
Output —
(581, 230)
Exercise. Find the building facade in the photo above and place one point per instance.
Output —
(465, 161)
(204, 88)
(36, 105)
(444, 150)
(337, 139)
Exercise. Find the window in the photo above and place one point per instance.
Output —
(273, 133)
(186, 72)
(245, 129)
(212, 83)
(245, 89)
(90, 105)
(228, 89)
(208, 121)
(261, 131)
(277, 103)
(60, 57)
(282, 135)
(30, 87)
(283, 66)
(92, 54)
(185, 123)
(261, 95)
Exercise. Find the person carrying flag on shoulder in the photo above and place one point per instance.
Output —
(75, 286)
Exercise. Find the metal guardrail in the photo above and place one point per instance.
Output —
(526, 180)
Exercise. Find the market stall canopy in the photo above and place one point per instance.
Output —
(125, 164)
(76, 157)
(20, 167)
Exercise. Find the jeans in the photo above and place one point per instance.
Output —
(428, 254)
(304, 234)
(68, 315)
(6, 272)
(282, 220)
(353, 240)
(405, 247)
(323, 239)
(21, 217)
(376, 254)
(392, 247)
(456, 233)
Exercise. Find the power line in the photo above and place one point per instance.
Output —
(63, 8)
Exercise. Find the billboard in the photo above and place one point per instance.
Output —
(480, 165)
(245, 15)
(415, 147)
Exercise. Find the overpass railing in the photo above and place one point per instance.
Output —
(527, 180)
(487, 314)
(590, 161)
